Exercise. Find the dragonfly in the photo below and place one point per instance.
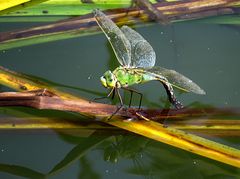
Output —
(137, 64)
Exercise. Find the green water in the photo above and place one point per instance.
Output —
(207, 53)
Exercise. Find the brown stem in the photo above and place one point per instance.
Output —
(184, 10)
(43, 99)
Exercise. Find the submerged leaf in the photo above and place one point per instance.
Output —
(78, 151)
(20, 171)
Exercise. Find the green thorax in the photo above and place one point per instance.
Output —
(130, 76)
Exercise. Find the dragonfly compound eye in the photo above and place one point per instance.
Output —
(103, 81)
(108, 79)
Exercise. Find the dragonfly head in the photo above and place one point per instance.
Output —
(108, 79)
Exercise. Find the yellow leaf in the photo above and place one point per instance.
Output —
(11, 3)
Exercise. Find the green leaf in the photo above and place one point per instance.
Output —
(61, 7)
(20, 171)
(80, 150)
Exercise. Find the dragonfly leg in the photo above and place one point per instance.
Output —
(113, 93)
(103, 97)
(121, 103)
(130, 102)
(119, 96)
(134, 91)
(172, 98)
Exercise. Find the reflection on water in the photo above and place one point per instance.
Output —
(208, 54)
(103, 155)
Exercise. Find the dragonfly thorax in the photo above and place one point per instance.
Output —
(127, 76)
(121, 77)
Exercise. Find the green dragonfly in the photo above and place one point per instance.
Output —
(137, 59)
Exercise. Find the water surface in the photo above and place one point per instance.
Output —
(206, 53)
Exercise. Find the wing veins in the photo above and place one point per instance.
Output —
(120, 44)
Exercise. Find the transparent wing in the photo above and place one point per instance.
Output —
(142, 53)
(177, 80)
(120, 44)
